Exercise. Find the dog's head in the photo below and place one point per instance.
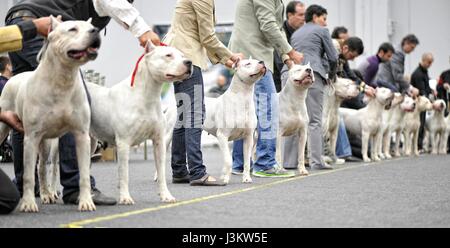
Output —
(408, 104)
(166, 64)
(397, 100)
(346, 88)
(73, 42)
(249, 70)
(439, 105)
(384, 96)
(301, 75)
(423, 104)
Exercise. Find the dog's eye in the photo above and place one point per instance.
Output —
(169, 55)
(248, 64)
(73, 29)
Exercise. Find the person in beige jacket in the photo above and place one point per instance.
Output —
(257, 32)
(193, 33)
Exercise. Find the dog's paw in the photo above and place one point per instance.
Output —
(397, 155)
(367, 160)
(247, 179)
(48, 198)
(387, 156)
(376, 159)
(225, 178)
(303, 172)
(86, 205)
(381, 156)
(155, 177)
(167, 198)
(434, 153)
(28, 206)
(126, 200)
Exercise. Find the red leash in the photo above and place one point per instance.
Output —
(137, 65)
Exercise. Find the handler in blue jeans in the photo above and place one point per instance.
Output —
(257, 32)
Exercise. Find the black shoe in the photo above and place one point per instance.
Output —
(179, 180)
(97, 197)
(323, 167)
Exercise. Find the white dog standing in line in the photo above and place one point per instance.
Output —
(334, 95)
(367, 121)
(393, 124)
(412, 125)
(52, 101)
(126, 116)
(293, 115)
(232, 116)
(435, 129)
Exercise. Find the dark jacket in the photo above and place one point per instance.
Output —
(3, 81)
(441, 92)
(420, 80)
(68, 9)
(278, 63)
(344, 71)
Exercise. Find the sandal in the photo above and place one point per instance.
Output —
(207, 180)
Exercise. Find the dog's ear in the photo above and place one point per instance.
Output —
(236, 64)
(54, 22)
(149, 47)
(89, 20)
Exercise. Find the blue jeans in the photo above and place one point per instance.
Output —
(187, 134)
(343, 147)
(266, 104)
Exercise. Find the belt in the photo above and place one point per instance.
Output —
(24, 14)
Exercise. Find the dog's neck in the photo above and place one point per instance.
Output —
(293, 97)
(375, 106)
(438, 114)
(238, 86)
(146, 84)
(62, 75)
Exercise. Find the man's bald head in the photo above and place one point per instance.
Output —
(427, 60)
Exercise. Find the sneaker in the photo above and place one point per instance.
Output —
(325, 166)
(180, 180)
(274, 172)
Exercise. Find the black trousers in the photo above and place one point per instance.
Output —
(25, 60)
(421, 130)
(9, 195)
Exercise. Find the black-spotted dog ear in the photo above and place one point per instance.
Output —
(236, 64)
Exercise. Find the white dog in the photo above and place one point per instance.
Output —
(435, 129)
(293, 115)
(412, 125)
(126, 116)
(367, 121)
(393, 124)
(232, 115)
(52, 101)
(334, 95)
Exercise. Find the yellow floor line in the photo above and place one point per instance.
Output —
(81, 223)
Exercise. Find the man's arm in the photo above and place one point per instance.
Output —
(397, 67)
(12, 120)
(217, 52)
(331, 53)
(265, 14)
(128, 17)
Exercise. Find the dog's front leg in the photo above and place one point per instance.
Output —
(407, 143)
(226, 155)
(443, 143)
(83, 146)
(365, 145)
(278, 151)
(46, 196)
(159, 152)
(123, 153)
(28, 202)
(248, 146)
(375, 141)
(386, 144)
(54, 164)
(398, 136)
(303, 135)
(416, 142)
(434, 141)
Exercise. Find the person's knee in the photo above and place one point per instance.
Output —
(10, 203)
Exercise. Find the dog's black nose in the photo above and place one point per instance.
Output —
(188, 63)
(261, 62)
(308, 71)
(93, 31)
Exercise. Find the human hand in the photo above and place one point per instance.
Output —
(149, 36)
(44, 24)
(369, 91)
(12, 120)
(296, 56)
(446, 86)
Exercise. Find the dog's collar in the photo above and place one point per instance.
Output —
(133, 76)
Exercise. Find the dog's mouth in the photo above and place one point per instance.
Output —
(261, 72)
(183, 76)
(438, 107)
(304, 80)
(90, 52)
